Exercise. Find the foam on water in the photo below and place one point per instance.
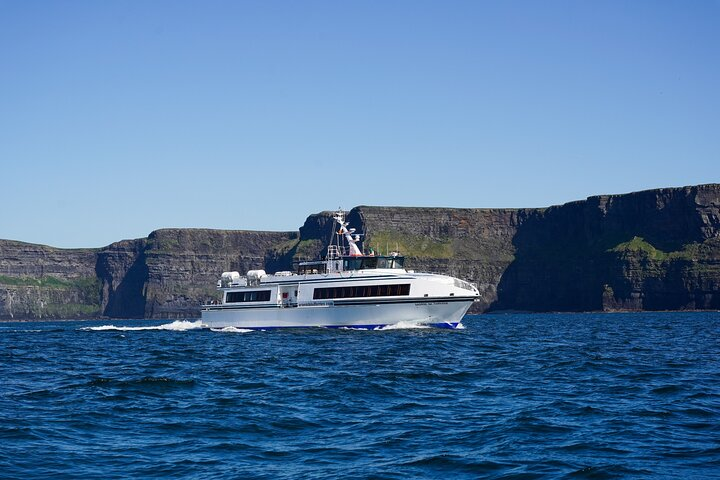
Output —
(231, 330)
(401, 326)
(177, 325)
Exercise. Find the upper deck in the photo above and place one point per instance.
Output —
(348, 263)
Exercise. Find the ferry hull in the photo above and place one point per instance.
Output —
(438, 313)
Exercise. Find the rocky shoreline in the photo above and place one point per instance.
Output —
(650, 250)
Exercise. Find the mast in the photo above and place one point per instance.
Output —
(348, 234)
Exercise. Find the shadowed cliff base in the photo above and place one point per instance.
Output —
(650, 250)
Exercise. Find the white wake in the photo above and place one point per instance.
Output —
(177, 325)
(231, 330)
(402, 326)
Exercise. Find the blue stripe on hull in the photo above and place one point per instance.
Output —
(447, 325)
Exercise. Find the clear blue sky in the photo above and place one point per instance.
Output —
(118, 118)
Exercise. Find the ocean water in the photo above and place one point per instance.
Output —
(509, 396)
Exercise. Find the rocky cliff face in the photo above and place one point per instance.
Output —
(122, 270)
(643, 250)
(474, 244)
(37, 281)
(167, 275)
(651, 250)
(184, 265)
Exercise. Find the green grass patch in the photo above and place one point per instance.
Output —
(640, 245)
(308, 249)
(50, 282)
(284, 247)
(410, 245)
(88, 286)
(709, 250)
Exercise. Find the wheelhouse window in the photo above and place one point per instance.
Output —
(250, 296)
(362, 291)
(310, 268)
(390, 262)
(354, 263)
(361, 263)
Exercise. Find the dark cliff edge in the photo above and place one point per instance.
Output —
(650, 250)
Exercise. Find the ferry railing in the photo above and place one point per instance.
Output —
(325, 303)
(335, 252)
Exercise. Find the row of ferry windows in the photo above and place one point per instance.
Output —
(253, 296)
(362, 291)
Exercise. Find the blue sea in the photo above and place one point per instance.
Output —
(509, 396)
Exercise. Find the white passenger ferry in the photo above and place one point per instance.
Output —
(346, 288)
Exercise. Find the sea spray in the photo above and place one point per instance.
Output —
(177, 325)
(402, 326)
(231, 330)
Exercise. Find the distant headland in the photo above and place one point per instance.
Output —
(651, 250)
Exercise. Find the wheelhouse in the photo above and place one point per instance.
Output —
(349, 263)
(367, 262)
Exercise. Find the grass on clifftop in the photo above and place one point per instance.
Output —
(410, 245)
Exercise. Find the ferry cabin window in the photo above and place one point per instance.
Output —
(362, 291)
(252, 296)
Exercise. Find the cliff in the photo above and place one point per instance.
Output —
(166, 275)
(651, 250)
(472, 244)
(37, 281)
(184, 265)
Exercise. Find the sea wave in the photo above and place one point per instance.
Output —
(402, 326)
(514, 395)
(177, 325)
(231, 330)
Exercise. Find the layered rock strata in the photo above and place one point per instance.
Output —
(651, 250)
(37, 281)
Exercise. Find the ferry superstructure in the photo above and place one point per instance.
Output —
(346, 288)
